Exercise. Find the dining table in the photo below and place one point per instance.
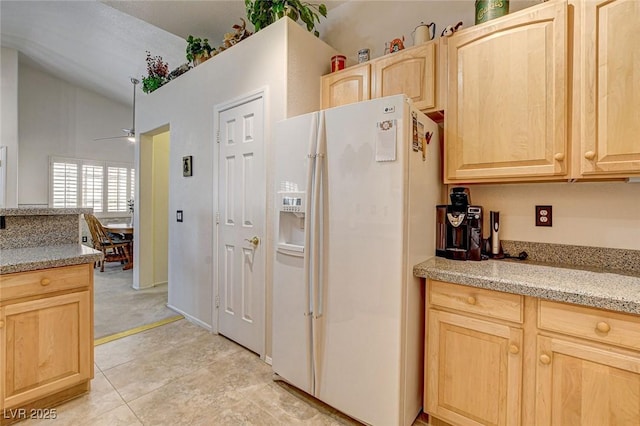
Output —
(125, 229)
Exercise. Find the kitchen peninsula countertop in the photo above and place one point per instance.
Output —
(589, 287)
(42, 257)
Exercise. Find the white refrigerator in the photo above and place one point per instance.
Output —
(356, 191)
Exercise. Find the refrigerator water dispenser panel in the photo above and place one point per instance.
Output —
(291, 222)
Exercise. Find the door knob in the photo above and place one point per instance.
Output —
(254, 241)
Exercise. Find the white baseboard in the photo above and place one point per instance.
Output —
(268, 360)
(191, 319)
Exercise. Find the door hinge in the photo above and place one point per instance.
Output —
(217, 301)
(217, 218)
(217, 136)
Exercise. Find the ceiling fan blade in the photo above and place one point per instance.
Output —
(112, 137)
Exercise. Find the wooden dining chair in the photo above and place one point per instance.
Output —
(114, 249)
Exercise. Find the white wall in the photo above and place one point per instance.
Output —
(9, 121)
(186, 105)
(60, 119)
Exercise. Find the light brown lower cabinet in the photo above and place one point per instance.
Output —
(46, 331)
(561, 365)
(477, 370)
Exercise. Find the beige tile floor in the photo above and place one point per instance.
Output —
(180, 374)
(118, 307)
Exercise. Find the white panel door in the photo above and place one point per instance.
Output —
(242, 205)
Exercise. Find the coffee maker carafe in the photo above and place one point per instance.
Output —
(459, 227)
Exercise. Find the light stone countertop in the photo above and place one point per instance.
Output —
(42, 211)
(600, 289)
(32, 258)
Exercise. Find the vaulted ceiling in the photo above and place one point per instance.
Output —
(100, 45)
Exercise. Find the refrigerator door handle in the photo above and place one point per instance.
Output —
(317, 217)
(308, 213)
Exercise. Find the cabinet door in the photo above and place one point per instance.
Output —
(46, 346)
(610, 86)
(346, 86)
(507, 104)
(578, 384)
(411, 71)
(474, 370)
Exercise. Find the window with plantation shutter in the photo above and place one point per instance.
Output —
(118, 189)
(104, 187)
(92, 184)
(64, 184)
(133, 184)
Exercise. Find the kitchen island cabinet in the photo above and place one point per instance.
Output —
(46, 330)
(46, 312)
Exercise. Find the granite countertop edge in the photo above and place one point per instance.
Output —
(599, 289)
(43, 257)
(43, 211)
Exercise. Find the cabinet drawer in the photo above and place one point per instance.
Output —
(42, 281)
(490, 303)
(590, 323)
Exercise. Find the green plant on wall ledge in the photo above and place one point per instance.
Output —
(264, 12)
(157, 73)
(198, 50)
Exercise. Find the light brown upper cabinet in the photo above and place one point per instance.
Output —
(608, 88)
(410, 71)
(506, 116)
(346, 86)
(419, 72)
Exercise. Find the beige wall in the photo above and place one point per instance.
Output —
(599, 214)
(160, 207)
(593, 214)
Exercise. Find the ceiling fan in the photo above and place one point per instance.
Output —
(130, 133)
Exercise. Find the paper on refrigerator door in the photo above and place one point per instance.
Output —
(386, 140)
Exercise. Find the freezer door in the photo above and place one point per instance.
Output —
(291, 352)
(358, 368)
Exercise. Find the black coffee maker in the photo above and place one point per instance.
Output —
(459, 227)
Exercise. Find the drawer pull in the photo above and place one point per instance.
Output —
(589, 155)
(603, 327)
(559, 156)
(45, 282)
(545, 359)
(514, 349)
(471, 300)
